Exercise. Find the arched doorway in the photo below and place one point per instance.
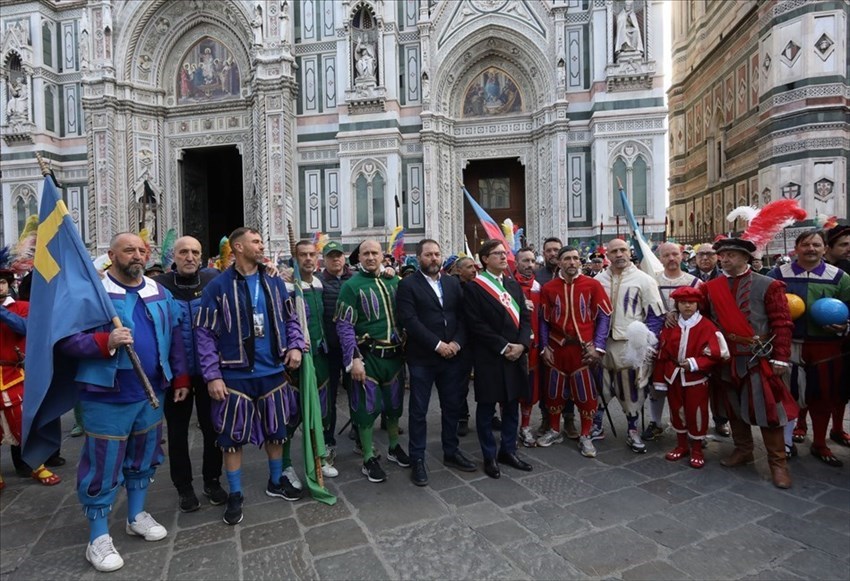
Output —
(498, 185)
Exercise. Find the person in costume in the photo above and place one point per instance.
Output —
(670, 279)
(752, 313)
(687, 354)
(838, 254)
(576, 317)
(499, 323)
(634, 296)
(186, 282)
(430, 309)
(248, 336)
(123, 442)
(818, 360)
(372, 352)
(306, 256)
(13, 330)
(531, 291)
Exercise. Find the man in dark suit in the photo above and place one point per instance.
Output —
(499, 326)
(430, 310)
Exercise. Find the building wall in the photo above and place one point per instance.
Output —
(309, 125)
(758, 110)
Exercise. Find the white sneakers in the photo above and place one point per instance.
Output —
(549, 438)
(102, 555)
(293, 477)
(145, 526)
(328, 470)
(101, 552)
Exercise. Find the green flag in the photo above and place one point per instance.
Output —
(311, 409)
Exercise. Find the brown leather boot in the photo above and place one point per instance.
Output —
(774, 443)
(742, 435)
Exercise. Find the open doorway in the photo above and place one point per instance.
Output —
(499, 186)
(211, 191)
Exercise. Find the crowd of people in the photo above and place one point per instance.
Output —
(565, 335)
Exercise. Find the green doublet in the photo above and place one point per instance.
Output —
(368, 303)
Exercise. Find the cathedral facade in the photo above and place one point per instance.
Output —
(348, 117)
(758, 112)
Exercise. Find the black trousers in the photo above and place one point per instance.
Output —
(178, 415)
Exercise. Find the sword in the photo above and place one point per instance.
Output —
(762, 348)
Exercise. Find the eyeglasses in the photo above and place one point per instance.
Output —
(498, 254)
(706, 253)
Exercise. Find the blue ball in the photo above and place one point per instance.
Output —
(829, 311)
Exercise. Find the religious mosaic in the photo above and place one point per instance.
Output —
(207, 73)
(492, 93)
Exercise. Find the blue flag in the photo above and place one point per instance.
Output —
(67, 297)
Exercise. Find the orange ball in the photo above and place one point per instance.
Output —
(796, 305)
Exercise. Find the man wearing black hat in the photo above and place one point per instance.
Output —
(838, 247)
(752, 313)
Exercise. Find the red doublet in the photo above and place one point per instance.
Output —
(755, 394)
(570, 310)
(12, 376)
(688, 388)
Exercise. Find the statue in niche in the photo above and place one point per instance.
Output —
(17, 107)
(628, 40)
(257, 26)
(284, 22)
(364, 56)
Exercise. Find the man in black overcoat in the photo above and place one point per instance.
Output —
(430, 308)
(499, 332)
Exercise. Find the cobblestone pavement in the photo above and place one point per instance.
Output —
(619, 516)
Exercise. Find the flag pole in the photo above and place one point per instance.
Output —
(131, 352)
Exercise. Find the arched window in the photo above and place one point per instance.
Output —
(619, 171)
(369, 198)
(49, 110)
(638, 191)
(25, 206)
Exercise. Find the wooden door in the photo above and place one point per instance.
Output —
(498, 185)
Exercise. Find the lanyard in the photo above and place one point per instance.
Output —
(256, 293)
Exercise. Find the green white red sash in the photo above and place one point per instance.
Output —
(496, 289)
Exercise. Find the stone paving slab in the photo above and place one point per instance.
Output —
(619, 516)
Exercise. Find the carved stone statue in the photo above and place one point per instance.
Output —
(364, 55)
(17, 107)
(628, 39)
(284, 22)
(257, 26)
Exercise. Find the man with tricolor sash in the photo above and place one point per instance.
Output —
(500, 323)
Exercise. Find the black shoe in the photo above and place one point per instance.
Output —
(491, 468)
(463, 428)
(399, 456)
(233, 512)
(372, 469)
(215, 493)
(188, 502)
(283, 489)
(514, 461)
(496, 424)
(419, 474)
(55, 461)
(460, 461)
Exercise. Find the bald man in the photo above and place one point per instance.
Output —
(186, 281)
(634, 297)
(671, 278)
(372, 352)
(123, 431)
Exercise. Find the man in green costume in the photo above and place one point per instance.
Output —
(372, 351)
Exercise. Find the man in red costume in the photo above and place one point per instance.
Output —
(576, 317)
(687, 354)
(531, 291)
(752, 313)
(13, 330)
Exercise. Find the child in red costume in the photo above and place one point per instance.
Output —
(686, 356)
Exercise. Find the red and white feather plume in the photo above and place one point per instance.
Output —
(771, 219)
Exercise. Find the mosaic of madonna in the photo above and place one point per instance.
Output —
(207, 73)
(492, 93)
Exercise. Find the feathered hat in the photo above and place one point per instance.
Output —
(763, 225)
